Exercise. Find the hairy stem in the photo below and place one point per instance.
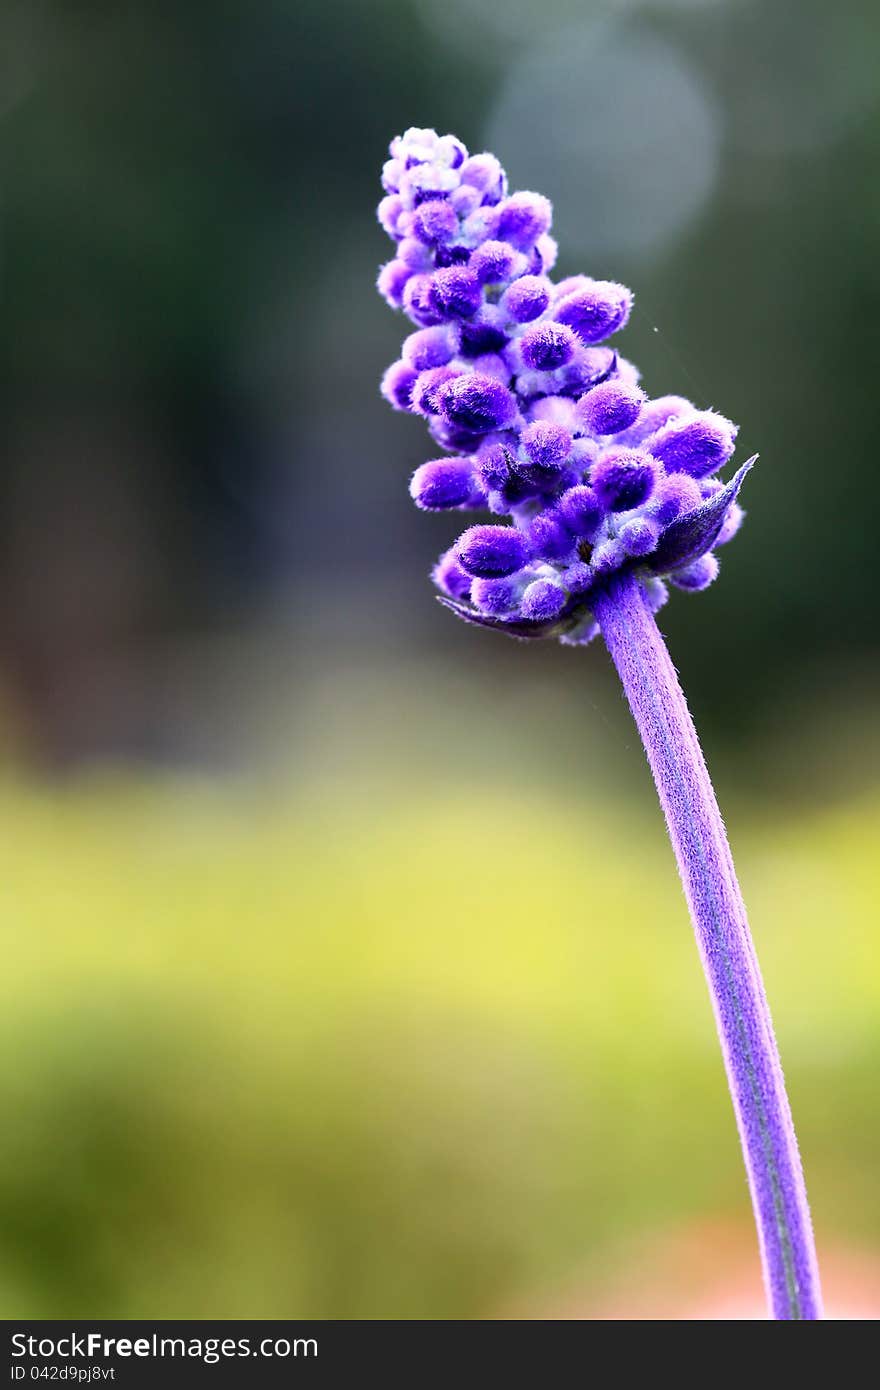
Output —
(719, 917)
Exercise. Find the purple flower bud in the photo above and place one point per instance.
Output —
(415, 254)
(479, 226)
(435, 222)
(491, 364)
(494, 262)
(453, 437)
(493, 465)
(430, 347)
(675, 496)
(483, 172)
(477, 403)
(527, 298)
(389, 212)
(611, 407)
(654, 415)
(584, 453)
(595, 311)
(417, 301)
(392, 170)
(547, 346)
(546, 447)
(426, 389)
(639, 535)
(491, 552)
(524, 217)
(543, 600)
(450, 578)
(397, 385)
(581, 511)
(465, 201)
(697, 575)
(443, 483)
(392, 282)
(495, 595)
(456, 292)
(590, 367)
(623, 478)
(697, 445)
(546, 254)
(549, 538)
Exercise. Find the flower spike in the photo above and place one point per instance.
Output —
(606, 496)
(513, 376)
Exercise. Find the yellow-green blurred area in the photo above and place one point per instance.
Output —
(392, 1045)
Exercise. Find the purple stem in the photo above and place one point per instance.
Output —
(719, 916)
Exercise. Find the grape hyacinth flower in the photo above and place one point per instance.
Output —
(609, 497)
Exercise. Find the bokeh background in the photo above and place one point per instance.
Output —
(345, 969)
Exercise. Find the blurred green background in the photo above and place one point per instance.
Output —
(346, 972)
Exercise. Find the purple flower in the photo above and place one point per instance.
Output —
(491, 552)
(546, 425)
(609, 495)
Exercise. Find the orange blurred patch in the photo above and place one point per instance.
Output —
(709, 1272)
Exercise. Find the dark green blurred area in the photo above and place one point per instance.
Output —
(401, 1016)
(193, 438)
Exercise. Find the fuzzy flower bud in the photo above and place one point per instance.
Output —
(491, 552)
(544, 424)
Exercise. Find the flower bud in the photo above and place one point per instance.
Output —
(639, 535)
(543, 600)
(495, 595)
(696, 445)
(397, 385)
(623, 478)
(581, 511)
(611, 407)
(435, 222)
(494, 262)
(389, 213)
(596, 310)
(699, 574)
(443, 483)
(450, 578)
(430, 347)
(550, 538)
(426, 389)
(476, 402)
(491, 552)
(392, 282)
(527, 298)
(547, 346)
(484, 172)
(523, 218)
(675, 495)
(456, 292)
(546, 447)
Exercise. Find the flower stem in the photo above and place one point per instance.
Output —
(704, 860)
